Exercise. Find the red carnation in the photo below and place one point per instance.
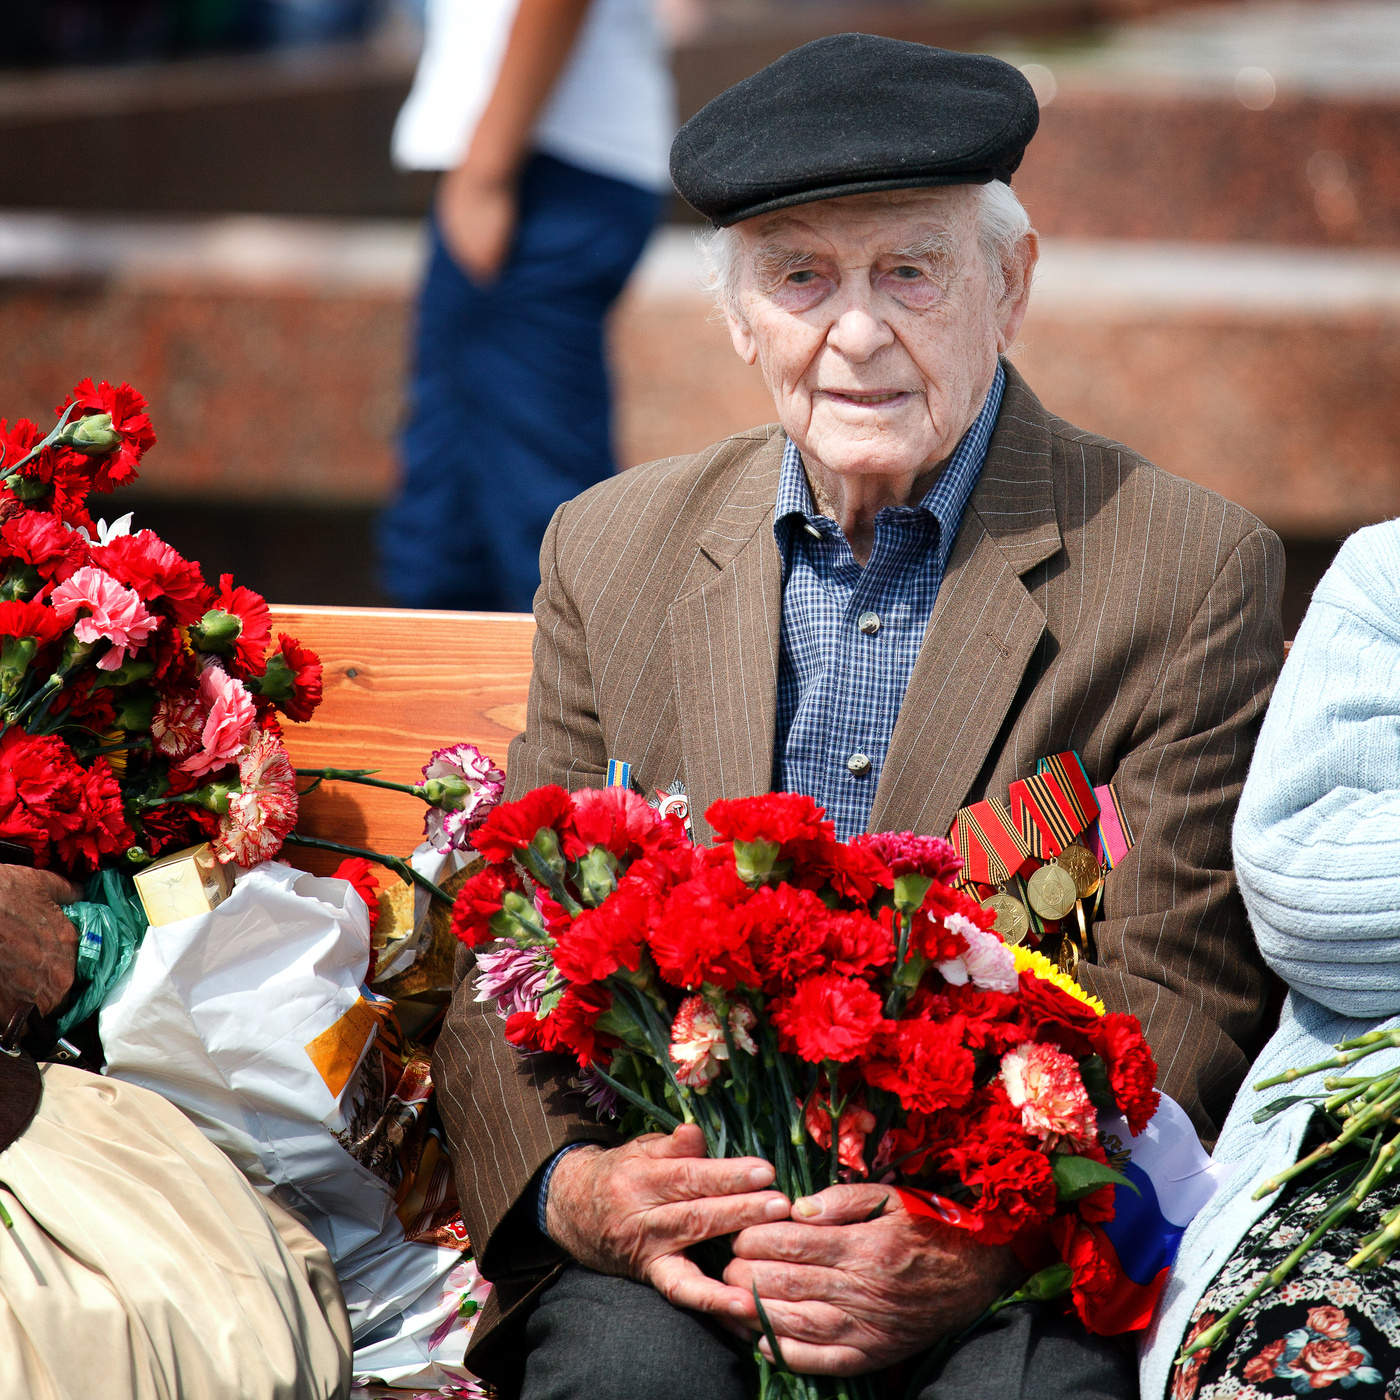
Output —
(144, 561)
(249, 655)
(1132, 1071)
(618, 820)
(129, 420)
(46, 544)
(479, 900)
(36, 620)
(359, 874)
(571, 1026)
(700, 935)
(907, 853)
(599, 941)
(1051, 1014)
(828, 1018)
(296, 673)
(779, 817)
(512, 826)
(1016, 1191)
(924, 1063)
(857, 872)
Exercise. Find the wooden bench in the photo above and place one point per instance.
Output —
(397, 685)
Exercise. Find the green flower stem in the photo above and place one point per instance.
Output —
(400, 867)
(1370, 1117)
(1377, 1247)
(358, 775)
(1349, 1051)
(12, 472)
(1381, 1169)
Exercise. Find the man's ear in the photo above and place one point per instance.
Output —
(741, 335)
(1011, 310)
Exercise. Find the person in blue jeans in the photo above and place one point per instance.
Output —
(551, 120)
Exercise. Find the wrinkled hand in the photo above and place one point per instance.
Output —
(38, 945)
(477, 218)
(846, 1294)
(633, 1210)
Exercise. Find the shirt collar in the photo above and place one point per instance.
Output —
(945, 500)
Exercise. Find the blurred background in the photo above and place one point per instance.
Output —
(196, 196)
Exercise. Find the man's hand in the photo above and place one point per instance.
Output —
(633, 1210)
(845, 1293)
(38, 945)
(477, 218)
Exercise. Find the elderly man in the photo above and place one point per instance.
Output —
(896, 599)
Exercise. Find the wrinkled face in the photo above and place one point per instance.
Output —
(874, 322)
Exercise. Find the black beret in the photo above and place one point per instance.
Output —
(848, 114)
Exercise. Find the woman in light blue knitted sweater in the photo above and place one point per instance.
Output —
(1317, 851)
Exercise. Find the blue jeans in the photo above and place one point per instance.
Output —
(509, 411)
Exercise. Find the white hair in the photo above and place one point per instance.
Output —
(1002, 222)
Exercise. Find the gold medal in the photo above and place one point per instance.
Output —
(1067, 959)
(1083, 868)
(1013, 923)
(1051, 891)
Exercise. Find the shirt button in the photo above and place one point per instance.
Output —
(858, 763)
(869, 623)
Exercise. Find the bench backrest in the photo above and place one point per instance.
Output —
(397, 685)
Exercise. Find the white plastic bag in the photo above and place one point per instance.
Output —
(253, 1019)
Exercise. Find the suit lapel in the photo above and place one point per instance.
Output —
(724, 643)
(984, 630)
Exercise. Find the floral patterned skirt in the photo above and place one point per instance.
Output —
(1327, 1331)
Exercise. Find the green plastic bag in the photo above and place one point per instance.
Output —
(111, 925)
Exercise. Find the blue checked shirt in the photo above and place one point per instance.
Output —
(850, 635)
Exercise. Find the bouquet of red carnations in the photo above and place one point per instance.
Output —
(138, 703)
(836, 1008)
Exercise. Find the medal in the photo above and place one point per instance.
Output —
(1082, 867)
(1051, 891)
(1067, 960)
(1012, 921)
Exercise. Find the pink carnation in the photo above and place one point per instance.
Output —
(986, 962)
(1044, 1083)
(228, 719)
(115, 614)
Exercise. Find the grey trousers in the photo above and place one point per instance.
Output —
(596, 1336)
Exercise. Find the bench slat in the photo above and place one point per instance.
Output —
(398, 684)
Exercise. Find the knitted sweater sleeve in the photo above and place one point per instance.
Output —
(1317, 834)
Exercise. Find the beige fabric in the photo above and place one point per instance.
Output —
(142, 1266)
(1092, 602)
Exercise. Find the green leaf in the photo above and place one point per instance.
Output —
(1077, 1177)
(1094, 1073)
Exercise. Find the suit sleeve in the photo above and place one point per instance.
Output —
(1173, 943)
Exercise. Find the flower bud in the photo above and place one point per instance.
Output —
(909, 891)
(216, 631)
(1050, 1282)
(756, 861)
(597, 875)
(446, 792)
(20, 583)
(29, 488)
(93, 436)
(214, 797)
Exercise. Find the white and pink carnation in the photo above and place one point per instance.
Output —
(475, 786)
(264, 810)
(987, 962)
(698, 1044)
(115, 614)
(229, 713)
(1045, 1084)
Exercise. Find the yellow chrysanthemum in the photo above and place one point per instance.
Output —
(116, 755)
(1028, 960)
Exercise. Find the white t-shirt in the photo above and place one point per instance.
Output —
(612, 110)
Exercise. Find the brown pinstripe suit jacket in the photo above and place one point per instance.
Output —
(1091, 602)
